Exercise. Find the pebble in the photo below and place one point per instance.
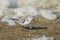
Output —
(48, 14)
(8, 21)
(43, 38)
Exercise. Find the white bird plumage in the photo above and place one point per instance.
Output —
(27, 21)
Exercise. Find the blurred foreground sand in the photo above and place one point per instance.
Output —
(17, 32)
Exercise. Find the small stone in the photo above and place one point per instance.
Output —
(43, 38)
(47, 14)
(8, 21)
